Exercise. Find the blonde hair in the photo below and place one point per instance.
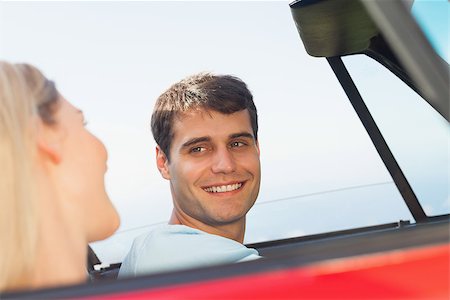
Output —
(25, 95)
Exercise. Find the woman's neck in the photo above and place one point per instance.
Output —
(61, 250)
(60, 256)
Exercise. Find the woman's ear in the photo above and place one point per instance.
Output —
(49, 141)
(162, 163)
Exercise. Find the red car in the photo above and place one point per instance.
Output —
(406, 259)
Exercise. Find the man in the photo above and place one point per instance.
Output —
(205, 127)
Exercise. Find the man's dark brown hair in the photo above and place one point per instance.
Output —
(222, 93)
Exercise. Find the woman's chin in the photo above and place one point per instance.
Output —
(105, 227)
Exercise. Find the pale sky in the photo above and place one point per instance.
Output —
(113, 59)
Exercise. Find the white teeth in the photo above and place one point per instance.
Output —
(223, 188)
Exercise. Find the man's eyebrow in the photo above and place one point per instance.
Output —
(241, 134)
(195, 141)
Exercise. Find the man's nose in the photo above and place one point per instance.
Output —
(223, 161)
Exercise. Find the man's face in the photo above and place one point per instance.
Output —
(214, 167)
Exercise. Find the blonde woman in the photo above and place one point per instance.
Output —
(52, 194)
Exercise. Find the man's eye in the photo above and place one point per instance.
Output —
(236, 144)
(198, 149)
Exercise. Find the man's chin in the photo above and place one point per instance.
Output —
(224, 220)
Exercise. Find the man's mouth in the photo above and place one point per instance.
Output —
(223, 188)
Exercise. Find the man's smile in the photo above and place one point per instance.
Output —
(223, 188)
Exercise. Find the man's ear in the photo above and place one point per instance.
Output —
(49, 141)
(162, 163)
(257, 147)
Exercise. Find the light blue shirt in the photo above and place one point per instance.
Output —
(177, 247)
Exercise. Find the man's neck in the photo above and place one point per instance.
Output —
(234, 231)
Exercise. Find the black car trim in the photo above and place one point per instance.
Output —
(427, 69)
(377, 138)
(325, 235)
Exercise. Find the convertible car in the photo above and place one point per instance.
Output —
(405, 259)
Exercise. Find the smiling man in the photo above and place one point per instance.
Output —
(205, 127)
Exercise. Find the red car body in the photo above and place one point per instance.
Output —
(400, 274)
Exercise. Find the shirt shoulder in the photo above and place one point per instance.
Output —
(174, 247)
